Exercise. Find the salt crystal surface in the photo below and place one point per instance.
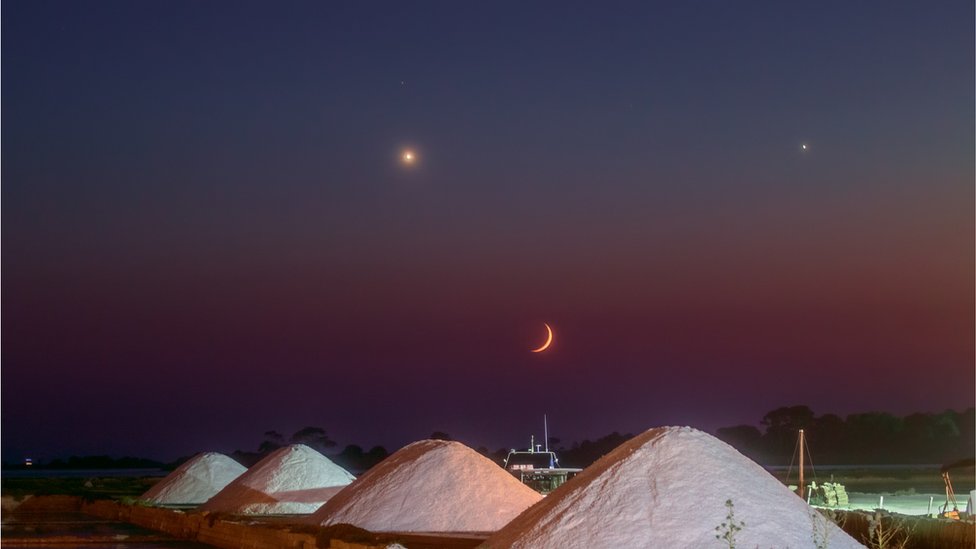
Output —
(291, 480)
(667, 488)
(430, 486)
(196, 481)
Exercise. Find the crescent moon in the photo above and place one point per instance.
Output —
(548, 340)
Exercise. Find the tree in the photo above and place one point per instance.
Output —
(873, 436)
(744, 438)
(584, 453)
(790, 418)
(966, 422)
(375, 455)
(440, 435)
(351, 458)
(313, 437)
(782, 426)
(272, 441)
(826, 434)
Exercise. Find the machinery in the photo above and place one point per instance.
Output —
(954, 513)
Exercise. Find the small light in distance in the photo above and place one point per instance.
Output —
(408, 157)
(804, 147)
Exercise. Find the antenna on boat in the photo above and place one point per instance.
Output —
(545, 428)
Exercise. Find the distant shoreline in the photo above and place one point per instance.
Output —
(82, 473)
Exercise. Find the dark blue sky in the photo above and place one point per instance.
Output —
(207, 233)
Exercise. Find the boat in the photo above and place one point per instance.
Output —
(538, 466)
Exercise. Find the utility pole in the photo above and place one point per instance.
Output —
(801, 465)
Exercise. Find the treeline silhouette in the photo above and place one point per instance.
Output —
(353, 457)
(866, 438)
(578, 454)
(357, 460)
(872, 438)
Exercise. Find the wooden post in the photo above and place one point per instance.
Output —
(801, 464)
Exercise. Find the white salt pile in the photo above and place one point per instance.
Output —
(430, 486)
(291, 480)
(668, 487)
(196, 481)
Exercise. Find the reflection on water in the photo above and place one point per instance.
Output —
(68, 529)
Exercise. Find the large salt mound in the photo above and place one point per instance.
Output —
(667, 488)
(430, 486)
(291, 480)
(196, 481)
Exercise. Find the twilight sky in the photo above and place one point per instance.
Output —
(207, 233)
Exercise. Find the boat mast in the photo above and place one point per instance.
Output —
(545, 428)
(801, 464)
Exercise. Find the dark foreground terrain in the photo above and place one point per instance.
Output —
(98, 512)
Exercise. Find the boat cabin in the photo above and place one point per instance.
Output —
(537, 468)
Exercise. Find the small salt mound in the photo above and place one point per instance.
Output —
(291, 480)
(196, 481)
(668, 488)
(430, 486)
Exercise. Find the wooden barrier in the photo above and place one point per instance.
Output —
(205, 528)
(238, 533)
